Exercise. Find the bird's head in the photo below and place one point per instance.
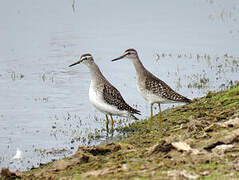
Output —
(86, 59)
(129, 53)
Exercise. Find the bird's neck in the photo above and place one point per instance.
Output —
(139, 67)
(96, 75)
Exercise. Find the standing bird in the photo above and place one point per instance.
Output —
(152, 88)
(103, 95)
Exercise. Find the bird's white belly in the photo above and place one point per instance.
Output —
(97, 100)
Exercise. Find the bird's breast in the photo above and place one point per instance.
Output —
(94, 96)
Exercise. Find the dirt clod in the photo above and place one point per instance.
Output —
(162, 146)
(221, 149)
(99, 150)
(229, 138)
(8, 175)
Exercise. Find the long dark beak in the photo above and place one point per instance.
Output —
(78, 62)
(118, 58)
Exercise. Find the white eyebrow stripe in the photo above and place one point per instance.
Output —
(86, 57)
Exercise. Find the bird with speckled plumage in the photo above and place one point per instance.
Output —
(103, 95)
(150, 87)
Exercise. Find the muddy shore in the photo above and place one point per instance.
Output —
(199, 141)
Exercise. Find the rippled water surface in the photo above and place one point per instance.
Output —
(44, 109)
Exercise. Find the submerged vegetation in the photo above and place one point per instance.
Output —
(200, 140)
(16, 76)
(209, 76)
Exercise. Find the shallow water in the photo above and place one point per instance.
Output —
(45, 111)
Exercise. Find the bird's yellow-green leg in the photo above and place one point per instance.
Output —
(151, 116)
(107, 123)
(112, 124)
(160, 118)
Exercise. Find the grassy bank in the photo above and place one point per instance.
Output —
(200, 140)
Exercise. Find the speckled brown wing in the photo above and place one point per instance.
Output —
(113, 97)
(159, 87)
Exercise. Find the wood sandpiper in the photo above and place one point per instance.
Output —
(152, 88)
(103, 95)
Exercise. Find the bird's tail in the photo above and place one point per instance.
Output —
(188, 101)
(132, 116)
(135, 111)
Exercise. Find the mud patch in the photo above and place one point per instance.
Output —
(229, 138)
(162, 146)
(6, 174)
